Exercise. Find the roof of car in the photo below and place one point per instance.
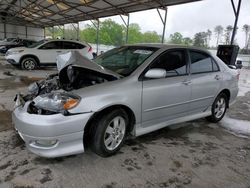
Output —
(67, 40)
(160, 45)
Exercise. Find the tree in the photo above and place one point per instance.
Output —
(246, 29)
(200, 39)
(135, 35)
(176, 38)
(88, 34)
(228, 33)
(187, 41)
(218, 31)
(111, 33)
(209, 35)
(151, 37)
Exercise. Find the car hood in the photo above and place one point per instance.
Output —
(17, 49)
(74, 58)
(6, 43)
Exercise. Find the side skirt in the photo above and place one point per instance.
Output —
(144, 130)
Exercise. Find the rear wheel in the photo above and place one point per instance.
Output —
(29, 63)
(108, 133)
(219, 108)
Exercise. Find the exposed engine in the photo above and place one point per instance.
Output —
(68, 79)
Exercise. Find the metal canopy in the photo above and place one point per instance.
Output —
(47, 13)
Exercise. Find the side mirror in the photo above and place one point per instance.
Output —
(156, 73)
(232, 66)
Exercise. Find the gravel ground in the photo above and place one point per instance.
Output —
(192, 154)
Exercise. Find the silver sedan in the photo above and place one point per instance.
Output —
(126, 92)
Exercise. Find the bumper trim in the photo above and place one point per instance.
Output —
(66, 145)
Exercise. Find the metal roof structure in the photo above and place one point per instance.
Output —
(48, 13)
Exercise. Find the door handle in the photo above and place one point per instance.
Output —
(217, 77)
(186, 82)
(58, 51)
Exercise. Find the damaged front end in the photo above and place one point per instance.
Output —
(55, 93)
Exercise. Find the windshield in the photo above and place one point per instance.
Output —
(36, 44)
(125, 60)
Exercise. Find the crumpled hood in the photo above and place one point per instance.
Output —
(74, 58)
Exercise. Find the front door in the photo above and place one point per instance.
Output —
(167, 98)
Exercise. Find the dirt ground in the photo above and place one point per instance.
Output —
(192, 154)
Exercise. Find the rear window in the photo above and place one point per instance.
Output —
(201, 63)
(72, 45)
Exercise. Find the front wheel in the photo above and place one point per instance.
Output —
(219, 108)
(28, 63)
(108, 133)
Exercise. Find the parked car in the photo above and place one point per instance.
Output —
(16, 43)
(7, 41)
(128, 91)
(45, 52)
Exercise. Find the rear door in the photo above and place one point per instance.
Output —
(48, 52)
(206, 80)
(167, 98)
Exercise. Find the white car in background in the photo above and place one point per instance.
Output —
(45, 53)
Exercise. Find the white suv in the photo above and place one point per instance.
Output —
(45, 52)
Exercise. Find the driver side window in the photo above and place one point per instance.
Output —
(174, 62)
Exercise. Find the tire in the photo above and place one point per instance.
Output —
(28, 63)
(109, 132)
(219, 108)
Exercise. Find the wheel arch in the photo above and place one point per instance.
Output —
(29, 55)
(96, 115)
(228, 94)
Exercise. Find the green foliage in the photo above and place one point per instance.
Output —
(187, 41)
(200, 39)
(218, 30)
(88, 34)
(110, 33)
(135, 35)
(228, 33)
(246, 30)
(151, 37)
(176, 38)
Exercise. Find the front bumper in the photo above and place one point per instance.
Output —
(65, 133)
(12, 61)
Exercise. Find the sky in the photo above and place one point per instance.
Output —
(191, 18)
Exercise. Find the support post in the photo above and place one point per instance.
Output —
(4, 30)
(78, 32)
(26, 32)
(97, 26)
(127, 26)
(97, 36)
(44, 32)
(164, 21)
(53, 32)
(127, 29)
(236, 19)
(63, 32)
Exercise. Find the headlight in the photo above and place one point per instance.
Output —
(33, 88)
(56, 102)
(15, 52)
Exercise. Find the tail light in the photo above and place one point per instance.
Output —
(238, 76)
(90, 49)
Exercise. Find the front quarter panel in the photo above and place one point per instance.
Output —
(126, 91)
